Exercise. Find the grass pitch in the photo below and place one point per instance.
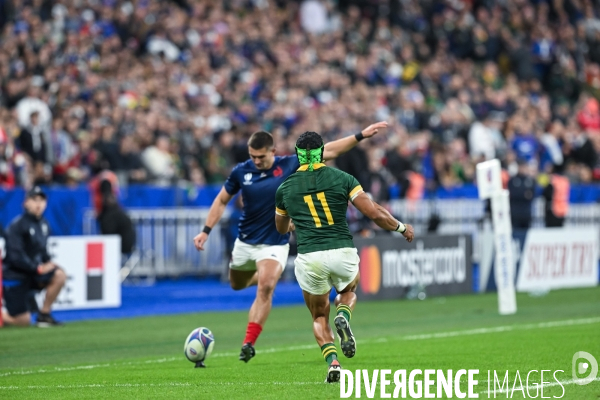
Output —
(143, 357)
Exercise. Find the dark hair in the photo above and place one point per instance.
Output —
(105, 187)
(309, 141)
(260, 140)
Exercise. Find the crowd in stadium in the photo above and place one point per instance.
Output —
(162, 91)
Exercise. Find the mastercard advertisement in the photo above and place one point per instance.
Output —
(390, 267)
(370, 269)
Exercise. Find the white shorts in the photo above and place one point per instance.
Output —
(245, 256)
(318, 271)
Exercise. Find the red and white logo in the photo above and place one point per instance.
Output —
(94, 270)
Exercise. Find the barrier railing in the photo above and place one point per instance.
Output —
(165, 242)
(165, 247)
(463, 215)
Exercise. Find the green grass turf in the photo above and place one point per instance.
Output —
(143, 357)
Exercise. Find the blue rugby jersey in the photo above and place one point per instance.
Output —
(257, 224)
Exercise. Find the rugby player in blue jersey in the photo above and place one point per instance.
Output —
(260, 253)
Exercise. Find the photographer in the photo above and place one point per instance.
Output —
(27, 267)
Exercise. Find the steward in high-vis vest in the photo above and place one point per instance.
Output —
(557, 199)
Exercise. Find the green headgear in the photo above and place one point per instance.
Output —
(310, 157)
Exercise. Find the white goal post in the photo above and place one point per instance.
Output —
(489, 183)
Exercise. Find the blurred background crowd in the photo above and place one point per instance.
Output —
(165, 91)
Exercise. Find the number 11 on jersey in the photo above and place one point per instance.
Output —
(311, 206)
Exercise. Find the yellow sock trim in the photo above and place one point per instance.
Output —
(343, 307)
(328, 352)
(328, 349)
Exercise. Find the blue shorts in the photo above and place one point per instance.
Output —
(19, 295)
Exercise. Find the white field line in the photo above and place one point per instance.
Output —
(505, 328)
(439, 335)
(98, 385)
(526, 388)
(180, 384)
(140, 385)
(160, 360)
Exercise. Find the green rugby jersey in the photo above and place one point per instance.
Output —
(317, 202)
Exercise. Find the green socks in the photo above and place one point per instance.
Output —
(329, 352)
(345, 311)
(328, 349)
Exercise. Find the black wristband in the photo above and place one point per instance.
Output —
(359, 136)
(207, 230)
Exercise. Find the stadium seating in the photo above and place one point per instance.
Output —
(168, 91)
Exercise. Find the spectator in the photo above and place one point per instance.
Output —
(108, 148)
(32, 103)
(28, 267)
(521, 188)
(32, 140)
(114, 221)
(356, 163)
(64, 151)
(484, 139)
(129, 161)
(525, 143)
(398, 162)
(589, 116)
(313, 16)
(159, 162)
(489, 74)
(7, 178)
(552, 152)
(379, 179)
(95, 190)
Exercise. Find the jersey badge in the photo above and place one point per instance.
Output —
(278, 172)
(248, 179)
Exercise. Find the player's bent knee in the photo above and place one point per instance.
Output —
(59, 277)
(237, 285)
(318, 315)
(19, 320)
(267, 288)
(239, 280)
(352, 286)
(24, 320)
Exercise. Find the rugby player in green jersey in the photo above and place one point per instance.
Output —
(315, 200)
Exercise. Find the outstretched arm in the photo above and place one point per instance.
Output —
(214, 216)
(338, 147)
(381, 216)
